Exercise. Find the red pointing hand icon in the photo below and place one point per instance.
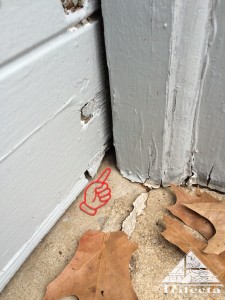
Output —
(96, 194)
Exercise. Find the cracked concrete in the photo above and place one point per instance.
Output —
(150, 264)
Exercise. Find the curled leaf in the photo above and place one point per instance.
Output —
(215, 213)
(178, 235)
(191, 217)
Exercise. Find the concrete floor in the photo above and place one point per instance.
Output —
(150, 264)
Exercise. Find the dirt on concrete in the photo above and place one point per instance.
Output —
(150, 264)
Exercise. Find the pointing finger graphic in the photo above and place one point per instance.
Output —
(96, 194)
(104, 175)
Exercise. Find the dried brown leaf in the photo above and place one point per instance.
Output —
(215, 213)
(190, 217)
(178, 235)
(99, 269)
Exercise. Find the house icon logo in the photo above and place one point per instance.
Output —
(191, 276)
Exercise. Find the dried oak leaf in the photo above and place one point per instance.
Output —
(99, 269)
(178, 235)
(190, 217)
(215, 213)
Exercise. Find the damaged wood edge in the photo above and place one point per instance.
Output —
(88, 20)
(184, 85)
(94, 106)
(151, 185)
(178, 166)
(85, 11)
(95, 162)
(71, 6)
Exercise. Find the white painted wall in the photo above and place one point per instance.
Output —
(25, 25)
(50, 70)
(166, 67)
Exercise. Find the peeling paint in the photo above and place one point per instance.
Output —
(209, 140)
(94, 106)
(138, 96)
(150, 184)
(71, 6)
(95, 162)
(186, 59)
(167, 86)
(128, 225)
